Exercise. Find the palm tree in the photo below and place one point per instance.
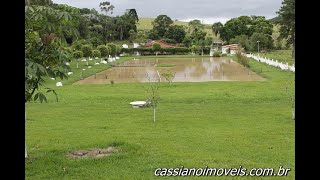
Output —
(216, 28)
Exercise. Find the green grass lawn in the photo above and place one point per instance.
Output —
(280, 55)
(214, 124)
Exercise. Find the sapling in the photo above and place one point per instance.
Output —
(152, 91)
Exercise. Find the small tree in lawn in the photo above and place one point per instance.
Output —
(152, 91)
(113, 49)
(96, 54)
(87, 51)
(168, 76)
(105, 50)
(156, 47)
(78, 55)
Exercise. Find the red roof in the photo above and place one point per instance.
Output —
(162, 44)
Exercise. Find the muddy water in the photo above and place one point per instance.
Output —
(185, 70)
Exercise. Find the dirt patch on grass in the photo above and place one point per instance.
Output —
(92, 153)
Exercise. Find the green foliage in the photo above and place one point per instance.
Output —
(195, 48)
(243, 40)
(241, 59)
(95, 41)
(245, 25)
(195, 25)
(150, 51)
(161, 25)
(87, 50)
(217, 54)
(287, 23)
(105, 50)
(156, 47)
(187, 41)
(45, 53)
(78, 54)
(96, 53)
(113, 49)
(106, 7)
(175, 32)
(217, 28)
(169, 76)
(266, 41)
(170, 41)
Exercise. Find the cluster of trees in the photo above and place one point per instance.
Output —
(163, 28)
(246, 31)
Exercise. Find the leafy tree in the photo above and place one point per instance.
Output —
(106, 7)
(105, 50)
(95, 41)
(78, 54)
(96, 53)
(161, 25)
(266, 41)
(195, 25)
(39, 2)
(44, 55)
(141, 36)
(261, 25)
(87, 50)
(243, 40)
(132, 34)
(153, 34)
(217, 28)
(113, 49)
(198, 36)
(156, 47)
(187, 41)
(194, 48)
(133, 13)
(176, 32)
(235, 27)
(287, 23)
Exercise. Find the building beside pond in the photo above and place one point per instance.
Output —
(230, 49)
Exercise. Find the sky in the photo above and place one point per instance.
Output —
(208, 11)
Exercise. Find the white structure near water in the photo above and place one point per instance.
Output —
(232, 47)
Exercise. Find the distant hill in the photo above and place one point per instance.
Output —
(275, 19)
(146, 24)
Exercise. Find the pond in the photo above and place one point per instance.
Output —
(183, 69)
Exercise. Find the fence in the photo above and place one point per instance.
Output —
(271, 62)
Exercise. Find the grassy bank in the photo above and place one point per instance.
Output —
(214, 124)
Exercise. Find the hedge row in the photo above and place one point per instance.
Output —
(146, 51)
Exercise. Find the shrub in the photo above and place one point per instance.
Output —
(242, 59)
(87, 50)
(104, 50)
(78, 54)
(217, 54)
(170, 41)
(95, 41)
(96, 53)
(113, 48)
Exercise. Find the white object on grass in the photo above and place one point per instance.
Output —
(53, 78)
(83, 69)
(69, 73)
(89, 67)
(59, 84)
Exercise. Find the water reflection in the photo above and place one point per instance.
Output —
(186, 69)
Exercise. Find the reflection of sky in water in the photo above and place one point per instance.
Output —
(186, 69)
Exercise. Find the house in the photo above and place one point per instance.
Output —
(232, 47)
(162, 44)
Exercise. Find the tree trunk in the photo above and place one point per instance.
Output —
(154, 115)
(25, 141)
(202, 52)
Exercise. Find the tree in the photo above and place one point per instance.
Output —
(133, 13)
(161, 25)
(287, 23)
(156, 47)
(243, 40)
(152, 91)
(39, 2)
(113, 49)
(44, 55)
(105, 50)
(96, 53)
(187, 41)
(176, 32)
(235, 27)
(217, 28)
(266, 41)
(106, 7)
(195, 25)
(132, 34)
(87, 50)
